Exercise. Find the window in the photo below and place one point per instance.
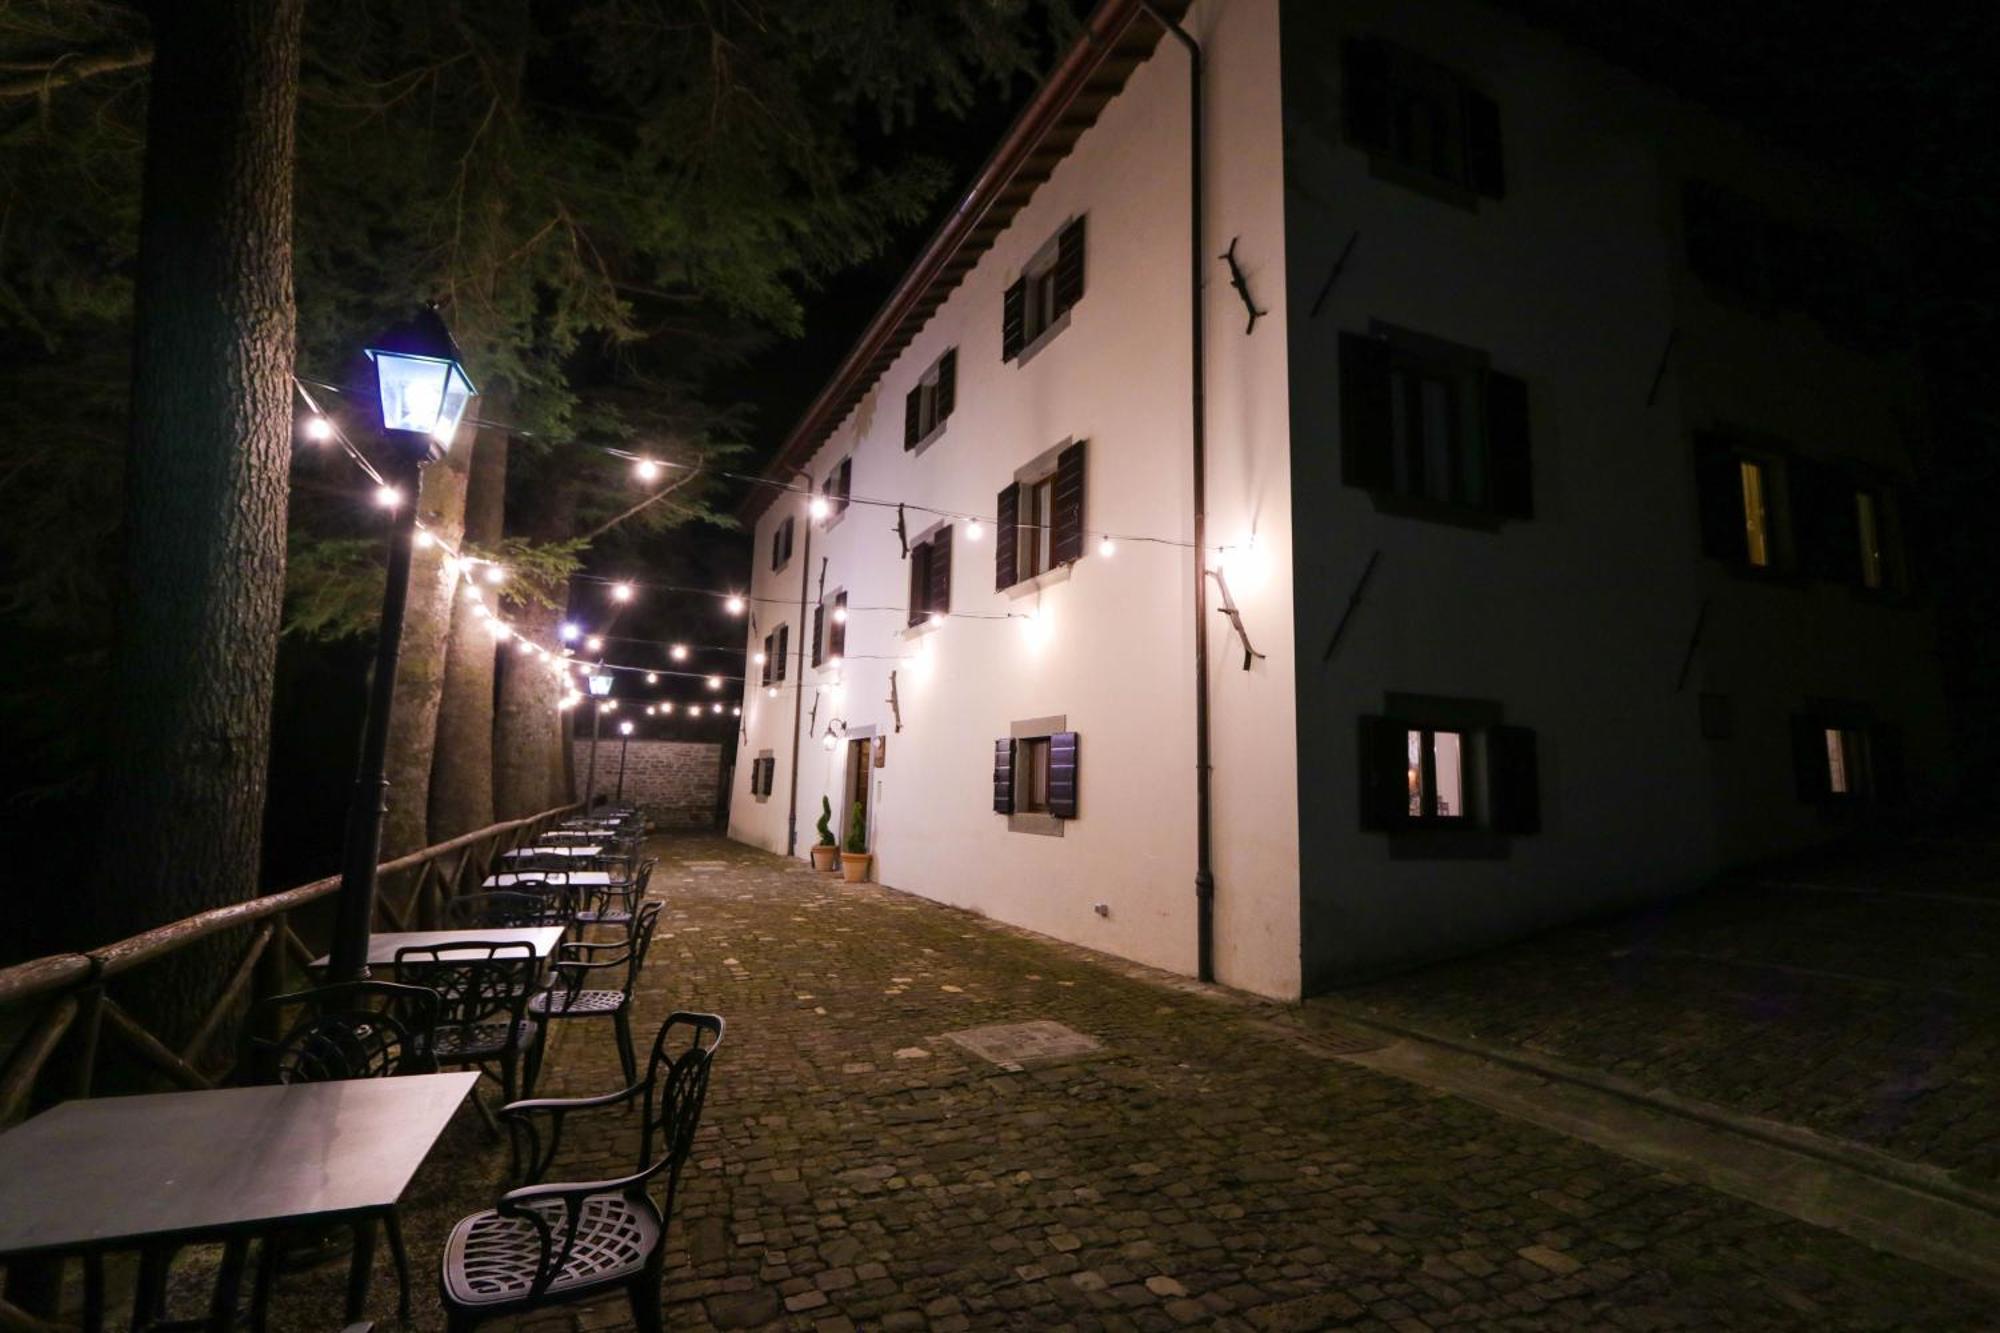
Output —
(1868, 519)
(1844, 757)
(782, 642)
(1040, 518)
(927, 405)
(1035, 775)
(1846, 760)
(781, 544)
(762, 770)
(1756, 514)
(770, 656)
(830, 630)
(1036, 304)
(835, 488)
(1448, 765)
(930, 576)
(1744, 520)
(1421, 123)
(1431, 430)
(1846, 527)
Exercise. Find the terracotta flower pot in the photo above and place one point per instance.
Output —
(854, 866)
(823, 858)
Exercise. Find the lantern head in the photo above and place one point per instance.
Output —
(421, 388)
(600, 685)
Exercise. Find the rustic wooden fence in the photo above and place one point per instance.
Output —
(67, 1027)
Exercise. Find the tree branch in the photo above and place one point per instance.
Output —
(641, 507)
(41, 80)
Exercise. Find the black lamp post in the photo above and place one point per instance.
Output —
(422, 392)
(600, 686)
(624, 730)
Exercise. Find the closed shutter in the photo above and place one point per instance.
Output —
(1014, 320)
(1364, 68)
(1003, 777)
(1718, 473)
(836, 634)
(1512, 475)
(1007, 538)
(768, 640)
(913, 417)
(1513, 780)
(1062, 775)
(1066, 527)
(920, 581)
(1486, 172)
(1069, 267)
(845, 475)
(939, 600)
(1810, 768)
(1885, 764)
(947, 384)
(784, 649)
(777, 545)
(819, 633)
(1384, 787)
(1825, 524)
(1367, 427)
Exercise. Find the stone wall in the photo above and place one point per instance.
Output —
(676, 783)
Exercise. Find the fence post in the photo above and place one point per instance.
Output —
(83, 1051)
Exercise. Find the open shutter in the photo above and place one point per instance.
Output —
(947, 384)
(1066, 526)
(913, 416)
(819, 633)
(767, 659)
(1367, 429)
(1069, 267)
(1007, 538)
(1513, 780)
(1062, 775)
(1364, 68)
(920, 581)
(1384, 786)
(1486, 172)
(845, 477)
(1719, 491)
(1003, 777)
(1512, 474)
(1014, 320)
(836, 634)
(939, 601)
(784, 649)
(1810, 768)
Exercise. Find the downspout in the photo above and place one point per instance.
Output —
(799, 680)
(1204, 868)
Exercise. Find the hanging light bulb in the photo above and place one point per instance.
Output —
(678, 652)
(715, 682)
(667, 708)
(716, 709)
(388, 496)
(818, 508)
(501, 630)
(827, 741)
(425, 541)
(840, 615)
(318, 429)
(652, 678)
(736, 711)
(569, 631)
(771, 693)
(756, 659)
(593, 644)
(621, 592)
(937, 618)
(973, 531)
(834, 661)
(646, 470)
(734, 605)
(496, 575)
(652, 710)
(1107, 548)
(526, 647)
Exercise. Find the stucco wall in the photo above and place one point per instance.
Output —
(1111, 647)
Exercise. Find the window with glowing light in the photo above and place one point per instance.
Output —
(1747, 494)
(1846, 758)
(830, 629)
(1040, 520)
(1449, 767)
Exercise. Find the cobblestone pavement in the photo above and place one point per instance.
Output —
(1855, 992)
(1202, 1169)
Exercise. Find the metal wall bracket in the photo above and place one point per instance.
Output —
(1242, 285)
(1228, 608)
(895, 705)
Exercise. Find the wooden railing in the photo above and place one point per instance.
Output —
(68, 1026)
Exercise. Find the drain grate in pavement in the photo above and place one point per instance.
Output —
(1014, 1045)
(1346, 1041)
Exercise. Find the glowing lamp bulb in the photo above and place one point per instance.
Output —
(716, 709)
(678, 652)
(667, 708)
(593, 644)
(937, 618)
(525, 646)
(840, 615)
(818, 508)
(569, 631)
(715, 682)
(625, 728)
(646, 470)
(621, 592)
(973, 531)
(736, 712)
(425, 541)
(771, 693)
(1107, 548)
(318, 429)
(834, 661)
(388, 496)
(495, 575)
(756, 659)
(652, 678)
(734, 606)
(828, 742)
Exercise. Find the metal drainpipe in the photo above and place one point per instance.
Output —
(1204, 869)
(799, 680)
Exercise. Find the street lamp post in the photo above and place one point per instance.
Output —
(600, 686)
(624, 730)
(422, 392)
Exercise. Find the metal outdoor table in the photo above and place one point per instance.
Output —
(578, 879)
(382, 945)
(120, 1173)
(584, 851)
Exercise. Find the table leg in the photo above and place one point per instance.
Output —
(222, 1307)
(361, 1268)
(93, 1292)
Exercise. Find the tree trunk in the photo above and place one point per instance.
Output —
(206, 473)
(524, 733)
(462, 764)
(434, 588)
(563, 786)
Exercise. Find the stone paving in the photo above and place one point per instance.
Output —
(1855, 992)
(1202, 1168)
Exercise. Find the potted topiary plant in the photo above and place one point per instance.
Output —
(855, 856)
(825, 854)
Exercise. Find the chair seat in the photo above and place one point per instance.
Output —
(482, 1041)
(584, 1004)
(592, 917)
(491, 1260)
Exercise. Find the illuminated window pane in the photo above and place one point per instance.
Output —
(1756, 516)
(1871, 539)
(1836, 763)
(1416, 774)
(1449, 781)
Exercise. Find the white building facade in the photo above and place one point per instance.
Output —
(1564, 542)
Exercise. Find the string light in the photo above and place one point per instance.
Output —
(737, 711)
(1107, 548)
(646, 470)
(678, 652)
(625, 728)
(734, 605)
(717, 709)
(318, 429)
(936, 619)
(425, 541)
(569, 631)
(715, 682)
(496, 575)
(834, 662)
(756, 659)
(667, 708)
(819, 507)
(593, 644)
(621, 592)
(388, 496)
(772, 692)
(652, 678)
(840, 615)
(973, 531)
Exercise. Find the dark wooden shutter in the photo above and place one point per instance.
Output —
(784, 649)
(1069, 267)
(777, 544)
(836, 634)
(767, 659)
(1003, 777)
(913, 417)
(1007, 538)
(940, 573)
(1825, 525)
(1062, 775)
(1885, 764)
(1066, 531)
(1384, 788)
(1718, 475)
(1512, 474)
(819, 633)
(845, 475)
(920, 581)
(947, 384)
(1809, 762)
(1367, 428)
(1486, 171)
(1513, 780)
(1364, 67)
(1014, 320)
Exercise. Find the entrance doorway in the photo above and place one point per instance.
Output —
(859, 753)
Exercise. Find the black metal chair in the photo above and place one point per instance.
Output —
(569, 997)
(530, 902)
(483, 989)
(550, 1244)
(616, 902)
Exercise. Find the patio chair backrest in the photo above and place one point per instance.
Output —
(354, 1029)
(531, 902)
(676, 1087)
(477, 982)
